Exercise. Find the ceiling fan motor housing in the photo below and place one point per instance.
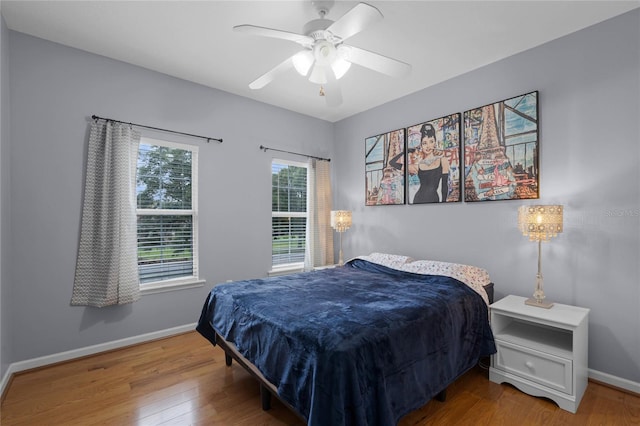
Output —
(316, 29)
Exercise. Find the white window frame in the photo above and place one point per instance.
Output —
(193, 280)
(288, 268)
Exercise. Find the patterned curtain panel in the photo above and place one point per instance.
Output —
(107, 264)
(319, 247)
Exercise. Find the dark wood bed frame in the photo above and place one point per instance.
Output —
(267, 388)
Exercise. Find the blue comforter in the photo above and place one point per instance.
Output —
(358, 345)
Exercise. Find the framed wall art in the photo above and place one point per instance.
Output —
(433, 161)
(385, 169)
(501, 150)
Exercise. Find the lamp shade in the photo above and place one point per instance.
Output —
(339, 65)
(540, 223)
(341, 220)
(302, 62)
(318, 74)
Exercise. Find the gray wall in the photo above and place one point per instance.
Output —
(54, 91)
(589, 93)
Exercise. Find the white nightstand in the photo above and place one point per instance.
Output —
(542, 352)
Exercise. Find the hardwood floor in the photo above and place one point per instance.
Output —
(183, 380)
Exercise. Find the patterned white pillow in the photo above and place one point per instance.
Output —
(394, 261)
(473, 276)
(467, 273)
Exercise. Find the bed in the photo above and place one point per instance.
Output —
(362, 344)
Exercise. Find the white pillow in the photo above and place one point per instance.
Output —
(473, 276)
(395, 261)
(466, 273)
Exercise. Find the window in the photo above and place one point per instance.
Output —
(166, 198)
(288, 213)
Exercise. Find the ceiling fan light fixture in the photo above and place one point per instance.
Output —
(341, 64)
(324, 52)
(318, 75)
(340, 67)
(302, 62)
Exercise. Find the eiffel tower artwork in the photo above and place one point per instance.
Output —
(501, 145)
(385, 168)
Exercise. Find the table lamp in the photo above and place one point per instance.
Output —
(540, 223)
(340, 221)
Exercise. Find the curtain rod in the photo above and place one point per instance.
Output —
(264, 148)
(208, 139)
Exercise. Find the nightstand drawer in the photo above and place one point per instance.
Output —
(545, 369)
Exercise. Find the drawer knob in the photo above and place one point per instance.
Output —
(529, 365)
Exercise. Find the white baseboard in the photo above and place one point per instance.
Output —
(29, 364)
(17, 367)
(614, 381)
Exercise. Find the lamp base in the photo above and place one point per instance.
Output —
(539, 304)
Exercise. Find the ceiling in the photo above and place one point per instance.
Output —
(194, 40)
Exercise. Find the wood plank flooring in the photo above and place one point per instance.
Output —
(183, 380)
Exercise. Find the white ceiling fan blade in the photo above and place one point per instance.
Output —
(355, 20)
(269, 76)
(270, 32)
(382, 64)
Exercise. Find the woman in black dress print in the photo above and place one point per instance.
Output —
(432, 169)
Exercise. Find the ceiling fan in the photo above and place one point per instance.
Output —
(324, 57)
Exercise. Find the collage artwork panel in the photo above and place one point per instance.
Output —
(433, 161)
(501, 150)
(384, 168)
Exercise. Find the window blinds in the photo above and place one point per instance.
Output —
(166, 211)
(289, 212)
